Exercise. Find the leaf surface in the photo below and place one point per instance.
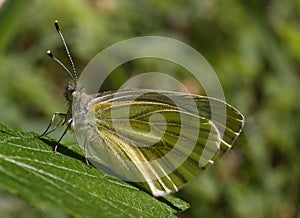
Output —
(29, 168)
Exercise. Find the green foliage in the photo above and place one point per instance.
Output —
(63, 180)
(253, 47)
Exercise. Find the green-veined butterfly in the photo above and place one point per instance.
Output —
(160, 139)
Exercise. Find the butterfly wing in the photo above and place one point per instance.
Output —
(161, 140)
(228, 120)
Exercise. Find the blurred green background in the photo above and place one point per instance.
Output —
(253, 46)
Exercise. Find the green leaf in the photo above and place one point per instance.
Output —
(29, 168)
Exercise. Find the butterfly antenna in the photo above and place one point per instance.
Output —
(50, 54)
(74, 75)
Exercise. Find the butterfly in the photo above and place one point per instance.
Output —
(158, 139)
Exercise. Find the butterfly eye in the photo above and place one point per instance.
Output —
(69, 89)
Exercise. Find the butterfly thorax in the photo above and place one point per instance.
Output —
(79, 108)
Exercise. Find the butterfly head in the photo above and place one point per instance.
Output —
(69, 89)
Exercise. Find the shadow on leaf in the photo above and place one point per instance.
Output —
(63, 149)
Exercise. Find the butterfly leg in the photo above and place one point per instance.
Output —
(84, 150)
(61, 121)
(64, 133)
(88, 162)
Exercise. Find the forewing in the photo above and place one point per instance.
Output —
(159, 139)
(228, 120)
